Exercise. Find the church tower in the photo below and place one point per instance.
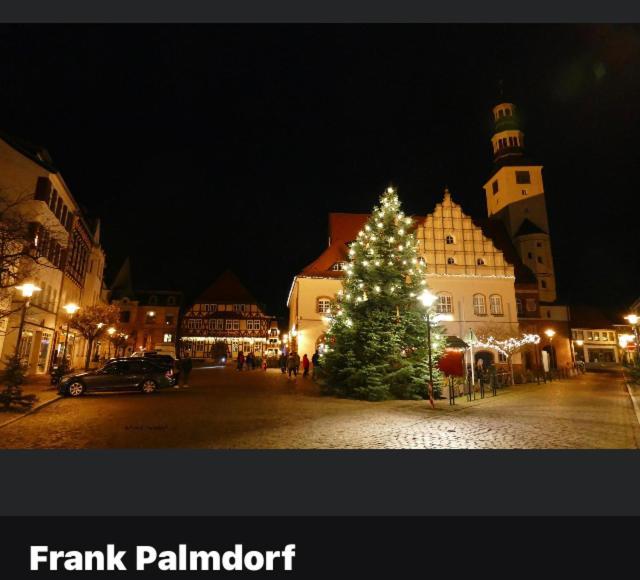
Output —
(515, 196)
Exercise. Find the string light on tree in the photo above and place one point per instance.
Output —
(378, 346)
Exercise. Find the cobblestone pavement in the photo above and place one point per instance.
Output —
(227, 409)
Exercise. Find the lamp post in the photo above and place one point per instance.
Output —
(27, 291)
(70, 309)
(110, 332)
(633, 321)
(428, 299)
(550, 334)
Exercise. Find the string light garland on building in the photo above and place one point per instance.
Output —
(507, 346)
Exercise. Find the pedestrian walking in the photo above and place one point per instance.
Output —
(240, 360)
(305, 366)
(283, 362)
(315, 361)
(292, 365)
(185, 366)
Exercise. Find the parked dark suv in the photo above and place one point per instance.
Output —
(121, 374)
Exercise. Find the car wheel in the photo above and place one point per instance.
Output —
(149, 386)
(75, 389)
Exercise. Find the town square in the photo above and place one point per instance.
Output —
(274, 261)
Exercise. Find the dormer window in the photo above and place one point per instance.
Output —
(338, 266)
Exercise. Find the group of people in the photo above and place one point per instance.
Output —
(249, 361)
(291, 364)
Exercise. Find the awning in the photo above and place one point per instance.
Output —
(456, 342)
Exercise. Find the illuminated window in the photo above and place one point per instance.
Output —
(449, 239)
(444, 305)
(338, 266)
(323, 305)
(495, 303)
(167, 337)
(236, 325)
(479, 305)
(523, 177)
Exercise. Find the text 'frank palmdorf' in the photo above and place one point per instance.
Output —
(147, 557)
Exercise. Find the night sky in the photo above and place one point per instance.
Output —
(214, 146)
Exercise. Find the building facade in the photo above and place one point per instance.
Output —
(67, 265)
(227, 314)
(473, 281)
(148, 318)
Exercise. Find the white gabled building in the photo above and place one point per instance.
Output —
(474, 282)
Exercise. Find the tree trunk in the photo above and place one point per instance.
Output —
(87, 360)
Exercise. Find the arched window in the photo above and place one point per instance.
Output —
(171, 300)
(323, 305)
(449, 239)
(444, 305)
(153, 299)
(495, 301)
(480, 261)
(479, 305)
(451, 261)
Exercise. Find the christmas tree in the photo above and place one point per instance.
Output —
(377, 342)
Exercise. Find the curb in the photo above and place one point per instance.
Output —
(636, 405)
(30, 411)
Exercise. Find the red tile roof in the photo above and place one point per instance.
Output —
(345, 226)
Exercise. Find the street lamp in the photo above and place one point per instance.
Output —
(428, 299)
(70, 309)
(633, 321)
(27, 291)
(550, 334)
(111, 332)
